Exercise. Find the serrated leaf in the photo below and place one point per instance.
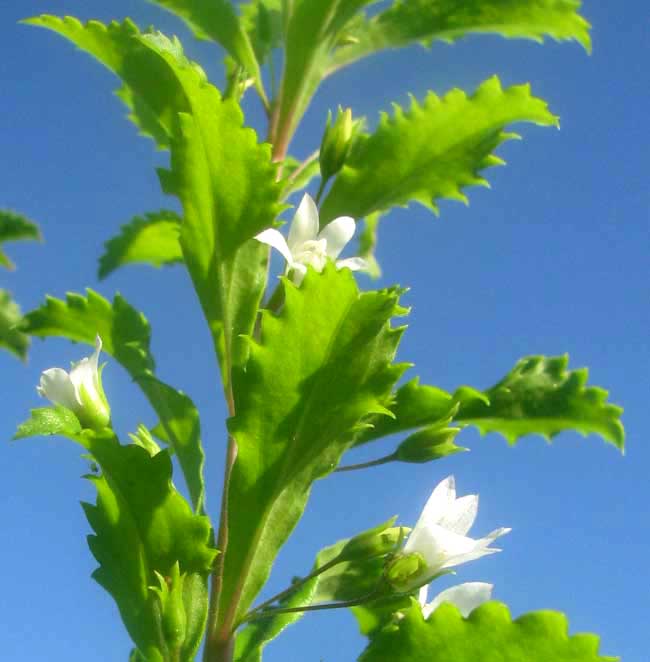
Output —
(11, 337)
(152, 239)
(488, 635)
(48, 421)
(126, 336)
(324, 365)
(142, 526)
(431, 151)
(152, 92)
(540, 396)
(408, 22)
(12, 228)
(218, 21)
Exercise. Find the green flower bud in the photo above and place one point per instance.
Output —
(428, 444)
(403, 570)
(381, 540)
(335, 146)
(173, 620)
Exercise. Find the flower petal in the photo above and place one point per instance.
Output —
(304, 226)
(441, 499)
(461, 514)
(467, 597)
(352, 263)
(57, 387)
(338, 233)
(275, 239)
(298, 272)
(438, 546)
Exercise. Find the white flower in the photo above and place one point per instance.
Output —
(79, 390)
(308, 247)
(467, 597)
(439, 537)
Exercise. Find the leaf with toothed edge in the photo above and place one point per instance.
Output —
(540, 396)
(126, 336)
(14, 227)
(11, 337)
(431, 151)
(423, 21)
(488, 635)
(323, 366)
(152, 239)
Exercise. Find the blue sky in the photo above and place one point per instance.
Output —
(552, 259)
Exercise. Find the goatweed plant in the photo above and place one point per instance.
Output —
(307, 360)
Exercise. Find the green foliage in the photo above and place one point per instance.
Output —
(12, 228)
(488, 635)
(368, 244)
(142, 526)
(150, 240)
(540, 396)
(410, 21)
(262, 20)
(298, 174)
(126, 336)
(47, 421)
(11, 338)
(322, 367)
(218, 21)
(431, 151)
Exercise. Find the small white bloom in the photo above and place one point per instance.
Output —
(79, 390)
(466, 597)
(306, 246)
(439, 536)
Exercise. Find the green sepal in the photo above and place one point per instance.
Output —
(291, 426)
(11, 337)
(152, 239)
(378, 541)
(540, 396)
(431, 151)
(14, 227)
(487, 634)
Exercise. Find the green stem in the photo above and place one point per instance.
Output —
(321, 189)
(365, 465)
(269, 613)
(296, 585)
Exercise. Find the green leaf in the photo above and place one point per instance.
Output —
(218, 21)
(291, 424)
(407, 22)
(540, 396)
(126, 336)
(487, 635)
(11, 338)
(150, 240)
(431, 151)
(12, 228)
(47, 421)
(142, 526)
(262, 21)
(152, 91)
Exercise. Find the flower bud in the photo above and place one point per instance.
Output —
(173, 620)
(379, 541)
(80, 390)
(403, 571)
(336, 143)
(428, 444)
